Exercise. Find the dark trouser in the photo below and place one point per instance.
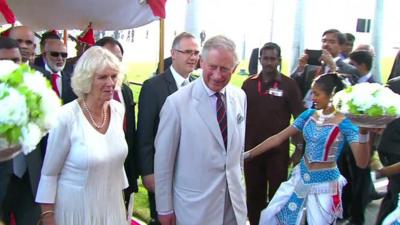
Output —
(389, 202)
(152, 206)
(263, 176)
(356, 194)
(19, 200)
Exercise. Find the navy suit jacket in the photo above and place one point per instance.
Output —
(152, 96)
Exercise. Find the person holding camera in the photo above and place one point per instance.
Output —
(314, 63)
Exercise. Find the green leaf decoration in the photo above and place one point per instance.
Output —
(375, 110)
(391, 111)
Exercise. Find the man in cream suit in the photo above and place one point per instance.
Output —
(198, 160)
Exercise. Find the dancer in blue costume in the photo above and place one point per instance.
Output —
(316, 183)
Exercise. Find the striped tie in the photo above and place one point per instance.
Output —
(221, 117)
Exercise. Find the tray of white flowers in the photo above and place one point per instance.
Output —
(29, 108)
(369, 105)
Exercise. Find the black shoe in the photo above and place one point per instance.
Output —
(377, 195)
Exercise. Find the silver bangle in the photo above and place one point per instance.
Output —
(363, 138)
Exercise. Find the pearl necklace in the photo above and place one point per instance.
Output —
(97, 126)
(322, 117)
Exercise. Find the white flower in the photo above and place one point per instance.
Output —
(36, 82)
(373, 98)
(50, 104)
(363, 101)
(7, 67)
(31, 135)
(29, 106)
(13, 107)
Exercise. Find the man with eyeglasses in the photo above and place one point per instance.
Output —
(55, 55)
(331, 44)
(26, 41)
(48, 35)
(272, 99)
(185, 55)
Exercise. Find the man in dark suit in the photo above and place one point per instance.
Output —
(396, 67)
(389, 154)
(125, 94)
(332, 42)
(19, 177)
(55, 55)
(49, 35)
(185, 55)
(360, 189)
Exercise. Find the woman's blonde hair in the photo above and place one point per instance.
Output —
(92, 61)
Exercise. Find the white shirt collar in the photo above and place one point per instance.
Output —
(47, 68)
(178, 78)
(364, 78)
(209, 91)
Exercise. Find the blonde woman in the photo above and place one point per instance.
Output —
(83, 173)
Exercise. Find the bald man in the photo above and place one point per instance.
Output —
(26, 41)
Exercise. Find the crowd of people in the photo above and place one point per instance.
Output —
(206, 151)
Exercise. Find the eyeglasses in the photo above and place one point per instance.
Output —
(189, 52)
(56, 54)
(27, 42)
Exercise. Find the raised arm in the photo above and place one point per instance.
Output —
(271, 142)
(361, 149)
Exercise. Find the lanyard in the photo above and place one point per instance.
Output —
(266, 92)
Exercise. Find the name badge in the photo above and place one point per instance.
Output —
(275, 92)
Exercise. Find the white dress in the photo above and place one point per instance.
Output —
(83, 171)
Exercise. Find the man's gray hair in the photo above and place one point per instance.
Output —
(220, 42)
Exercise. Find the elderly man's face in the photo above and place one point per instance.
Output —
(218, 67)
(55, 55)
(26, 42)
(10, 54)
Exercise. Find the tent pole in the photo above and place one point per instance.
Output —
(65, 37)
(161, 50)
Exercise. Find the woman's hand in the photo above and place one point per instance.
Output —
(48, 219)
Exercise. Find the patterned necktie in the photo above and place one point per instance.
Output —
(54, 78)
(221, 117)
(184, 83)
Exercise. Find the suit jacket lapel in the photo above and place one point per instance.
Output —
(171, 84)
(206, 112)
(230, 107)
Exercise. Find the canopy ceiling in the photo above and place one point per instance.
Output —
(77, 14)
